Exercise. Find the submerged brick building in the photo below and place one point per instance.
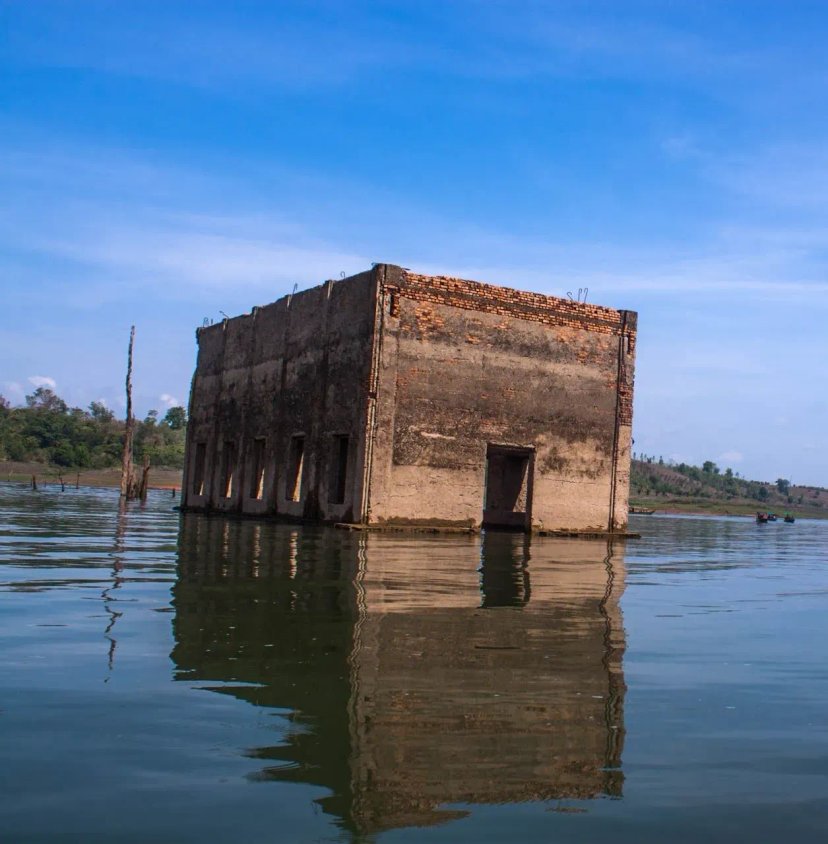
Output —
(396, 398)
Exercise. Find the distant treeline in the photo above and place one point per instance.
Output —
(46, 430)
(653, 476)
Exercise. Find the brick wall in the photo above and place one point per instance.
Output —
(536, 307)
(465, 364)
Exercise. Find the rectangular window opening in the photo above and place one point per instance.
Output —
(198, 468)
(228, 468)
(338, 470)
(296, 460)
(257, 475)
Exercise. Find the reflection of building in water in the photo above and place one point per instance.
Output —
(419, 671)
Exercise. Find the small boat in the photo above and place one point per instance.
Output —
(642, 511)
(772, 517)
(762, 518)
(789, 519)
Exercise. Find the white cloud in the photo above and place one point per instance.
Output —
(169, 401)
(790, 176)
(730, 457)
(225, 51)
(190, 253)
(43, 381)
(244, 246)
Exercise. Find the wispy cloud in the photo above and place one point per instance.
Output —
(109, 215)
(43, 381)
(169, 400)
(186, 257)
(222, 51)
(621, 41)
(785, 176)
(302, 47)
(165, 228)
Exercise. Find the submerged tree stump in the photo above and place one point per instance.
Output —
(130, 487)
(144, 484)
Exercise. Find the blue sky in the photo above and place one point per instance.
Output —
(163, 162)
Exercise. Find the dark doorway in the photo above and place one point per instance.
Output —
(508, 498)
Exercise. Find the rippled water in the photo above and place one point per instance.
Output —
(196, 679)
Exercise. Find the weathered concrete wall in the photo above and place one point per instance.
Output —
(463, 365)
(295, 369)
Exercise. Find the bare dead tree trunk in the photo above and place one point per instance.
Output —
(127, 468)
(77, 481)
(34, 482)
(142, 489)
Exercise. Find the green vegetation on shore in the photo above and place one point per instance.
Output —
(47, 438)
(680, 487)
(47, 432)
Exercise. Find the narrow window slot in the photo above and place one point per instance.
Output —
(198, 468)
(228, 468)
(257, 475)
(296, 460)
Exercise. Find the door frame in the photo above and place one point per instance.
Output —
(510, 449)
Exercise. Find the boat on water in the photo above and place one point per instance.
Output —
(763, 518)
(642, 511)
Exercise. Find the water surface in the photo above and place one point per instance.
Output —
(181, 679)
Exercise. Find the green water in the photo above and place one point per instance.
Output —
(195, 679)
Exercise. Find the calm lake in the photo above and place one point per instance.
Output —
(177, 679)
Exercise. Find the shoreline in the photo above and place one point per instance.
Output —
(160, 477)
(722, 508)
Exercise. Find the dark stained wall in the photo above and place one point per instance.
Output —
(293, 370)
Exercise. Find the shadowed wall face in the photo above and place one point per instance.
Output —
(278, 406)
(495, 675)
